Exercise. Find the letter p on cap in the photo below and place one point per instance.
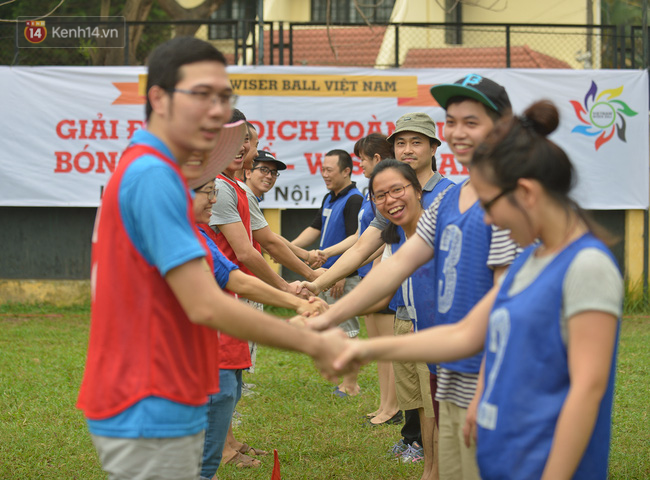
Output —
(472, 79)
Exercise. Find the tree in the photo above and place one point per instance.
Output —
(131, 10)
(624, 14)
(140, 11)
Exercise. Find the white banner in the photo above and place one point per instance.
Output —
(64, 128)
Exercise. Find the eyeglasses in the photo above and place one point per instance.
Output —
(395, 192)
(208, 98)
(266, 171)
(212, 194)
(487, 206)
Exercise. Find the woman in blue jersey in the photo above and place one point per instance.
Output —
(549, 327)
(397, 195)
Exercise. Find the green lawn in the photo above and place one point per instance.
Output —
(318, 436)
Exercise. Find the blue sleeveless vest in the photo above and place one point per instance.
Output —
(527, 378)
(333, 225)
(366, 215)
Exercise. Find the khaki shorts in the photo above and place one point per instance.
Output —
(412, 378)
(455, 459)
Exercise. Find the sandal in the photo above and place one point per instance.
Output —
(243, 461)
(247, 449)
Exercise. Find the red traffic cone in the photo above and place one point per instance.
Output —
(276, 466)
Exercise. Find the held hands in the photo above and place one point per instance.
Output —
(316, 258)
(309, 288)
(312, 307)
(355, 354)
(333, 343)
(296, 288)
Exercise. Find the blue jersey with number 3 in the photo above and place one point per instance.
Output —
(462, 245)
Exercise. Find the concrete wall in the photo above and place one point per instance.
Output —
(45, 252)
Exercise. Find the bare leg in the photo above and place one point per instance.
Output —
(231, 447)
(384, 327)
(371, 328)
(427, 425)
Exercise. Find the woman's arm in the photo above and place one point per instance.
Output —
(592, 336)
(443, 343)
(353, 258)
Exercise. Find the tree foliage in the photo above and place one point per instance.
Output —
(142, 37)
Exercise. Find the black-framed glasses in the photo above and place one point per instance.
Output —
(212, 194)
(210, 98)
(266, 171)
(395, 192)
(490, 203)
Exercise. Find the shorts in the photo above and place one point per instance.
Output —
(412, 378)
(177, 458)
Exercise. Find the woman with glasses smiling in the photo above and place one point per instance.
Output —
(397, 194)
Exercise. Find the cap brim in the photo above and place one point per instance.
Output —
(442, 93)
(391, 138)
(230, 139)
(281, 165)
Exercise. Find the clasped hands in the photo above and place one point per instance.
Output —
(337, 354)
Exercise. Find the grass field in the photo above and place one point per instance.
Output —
(318, 436)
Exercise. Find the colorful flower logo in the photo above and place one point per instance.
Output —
(600, 113)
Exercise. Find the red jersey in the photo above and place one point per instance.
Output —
(142, 343)
(234, 353)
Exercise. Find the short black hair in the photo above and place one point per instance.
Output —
(345, 160)
(236, 116)
(166, 60)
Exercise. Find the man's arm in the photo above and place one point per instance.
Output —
(342, 246)
(308, 236)
(281, 253)
(238, 239)
(254, 289)
(383, 280)
(313, 257)
(347, 263)
(206, 304)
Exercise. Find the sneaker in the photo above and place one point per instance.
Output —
(413, 454)
(398, 449)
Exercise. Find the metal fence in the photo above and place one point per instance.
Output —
(412, 45)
